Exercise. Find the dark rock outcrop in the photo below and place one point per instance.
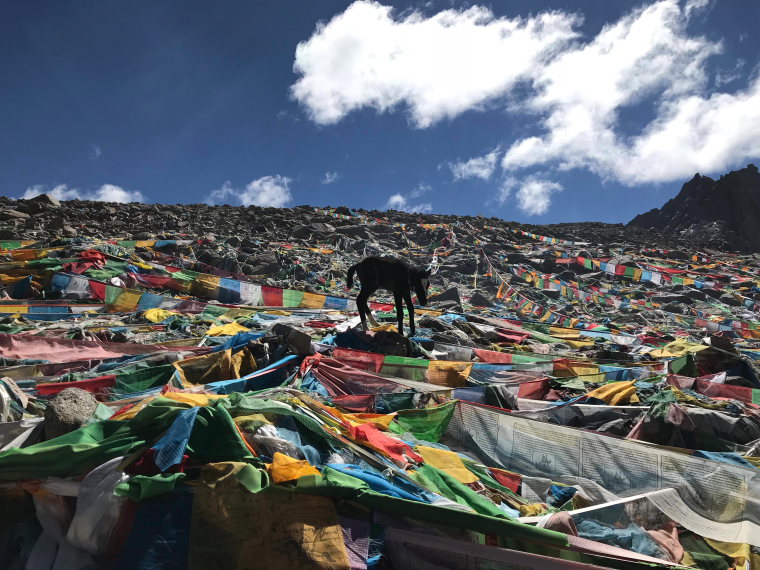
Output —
(724, 211)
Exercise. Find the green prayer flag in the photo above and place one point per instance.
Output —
(140, 487)
(444, 484)
(427, 424)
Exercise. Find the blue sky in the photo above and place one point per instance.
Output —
(533, 111)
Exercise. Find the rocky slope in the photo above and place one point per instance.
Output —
(724, 211)
(43, 217)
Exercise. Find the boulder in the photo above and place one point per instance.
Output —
(730, 300)
(298, 341)
(68, 411)
(480, 300)
(353, 231)
(391, 343)
(45, 201)
(11, 215)
(57, 223)
(449, 298)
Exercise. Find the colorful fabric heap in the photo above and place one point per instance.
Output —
(563, 405)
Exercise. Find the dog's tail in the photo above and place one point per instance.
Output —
(351, 271)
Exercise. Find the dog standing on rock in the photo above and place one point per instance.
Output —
(392, 275)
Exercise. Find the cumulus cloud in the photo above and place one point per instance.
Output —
(479, 167)
(534, 195)
(330, 177)
(439, 67)
(267, 191)
(106, 193)
(570, 92)
(646, 54)
(403, 202)
(505, 189)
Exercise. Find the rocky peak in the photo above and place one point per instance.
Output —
(728, 207)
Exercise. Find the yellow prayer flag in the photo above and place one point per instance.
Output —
(230, 329)
(285, 468)
(447, 461)
(616, 393)
(449, 373)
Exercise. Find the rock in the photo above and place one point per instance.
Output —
(451, 294)
(551, 293)
(671, 298)
(730, 300)
(299, 342)
(322, 228)
(567, 276)
(677, 308)
(10, 215)
(68, 411)
(249, 245)
(303, 232)
(353, 231)
(696, 294)
(57, 223)
(480, 300)
(391, 343)
(317, 229)
(429, 322)
(451, 306)
(45, 200)
(548, 266)
(264, 264)
(210, 258)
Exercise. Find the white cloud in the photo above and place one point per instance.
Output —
(420, 190)
(95, 152)
(111, 193)
(726, 76)
(572, 92)
(106, 193)
(59, 192)
(692, 7)
(439, 66)
(535, 195)
(646, 54)
(505, 189)
(221, 194)
(267, 191)
(330, 177)
(403, 203)
(480, 167)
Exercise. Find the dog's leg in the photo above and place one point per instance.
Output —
(399, 311)
(361, 305)
(410, 308)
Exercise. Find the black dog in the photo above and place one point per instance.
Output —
(392, 275)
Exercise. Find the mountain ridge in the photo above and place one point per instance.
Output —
(727, 209)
